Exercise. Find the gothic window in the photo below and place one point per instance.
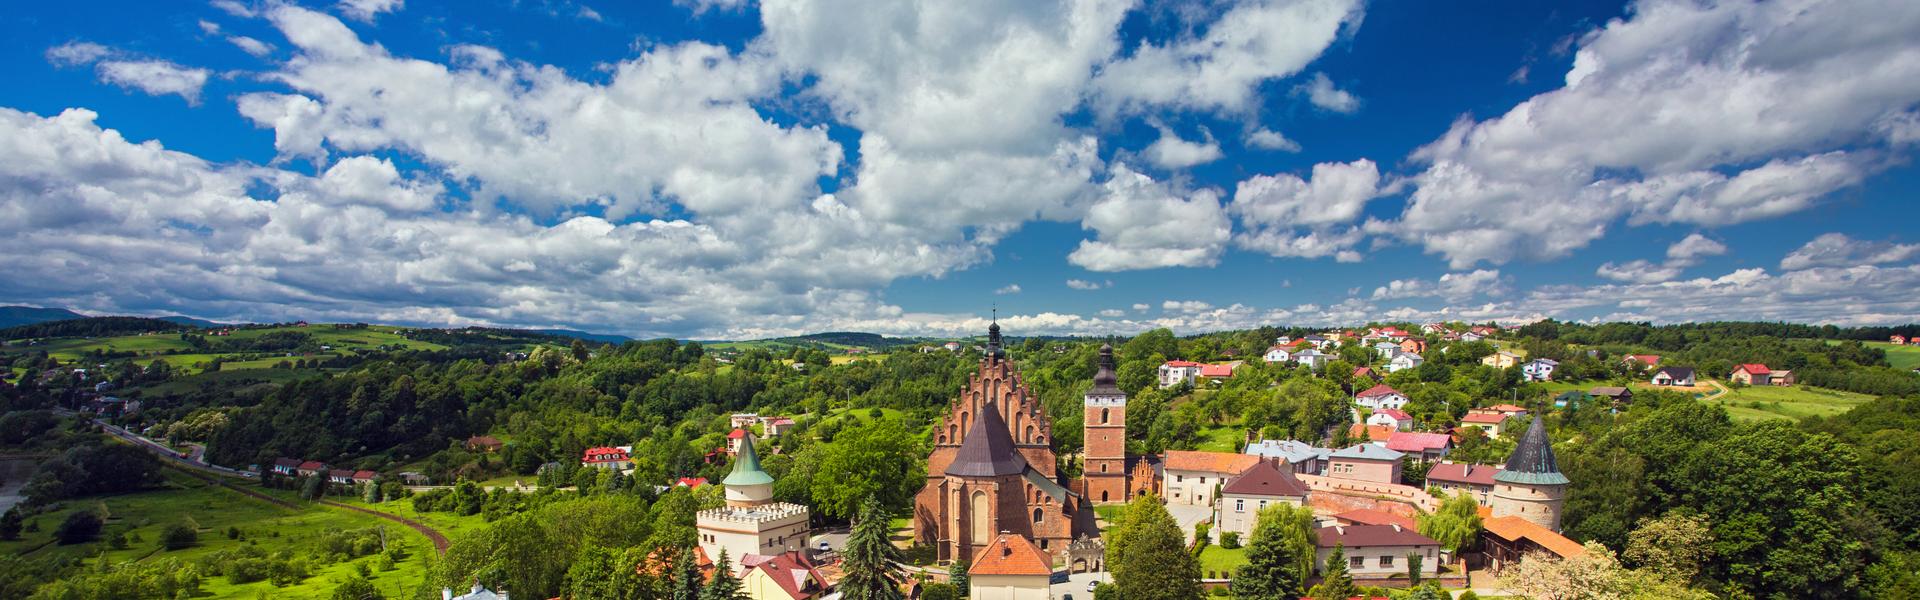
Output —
(1104, 416)
(1036, 515)
(982, 527)
(1029, 433)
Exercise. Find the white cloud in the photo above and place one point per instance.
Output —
(1839, 250)
(1012, 288)
(1141, 307)
(156, 77)
(700, 7)
(1689, 250)
(1285, 215)
(1082, 284)
(588, 13)
(1185, 306)
(73, 54)
(367, 10)
(1249, 44)
(1143, 224)
(251, 46)
(1451, 286)
(1639, 271)
(1680, 112)
(1268, 139)
(1319, 90)
(1113, 313)
(1172, 152)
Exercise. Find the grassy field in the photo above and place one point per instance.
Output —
(212, 510)
(1793, 402)
(1222, 438)
(1901, 357)
(342, 341)
(1221, 561)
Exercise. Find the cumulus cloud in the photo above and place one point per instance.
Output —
(1012, 288)
(1679, 113)
(1185, 306)
(1320, 91)
(1451, 286)
(1682, 254)
(1172, 152)
(1689, 250)
(1082, 284)
(367, 10)
(1113, 313)
(1839, 250)
(155, 77)
(1268, 139)
(1141, 307)
(1249, 44)
(1286, 215)
(1144, 224)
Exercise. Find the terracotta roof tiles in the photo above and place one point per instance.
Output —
(1010, 554)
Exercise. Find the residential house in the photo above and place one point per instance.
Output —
(1372, 516)
(1511, 410)
(1483, 330)
(1471, 337)
(286, 466)
(484, 443)
(951, 346)
(364, 477)
(1365, 374)
(1641, 361)
(1365, 462)
(1751, 374)
(415, 478)
(734, 439)
(1378, 551)
(1377, 434)
(1176, 372)
(1320, 342)
(1398, 419)
(1386, 350)
(1413, 345)
(1898, 340)
(784, 576)
(1570, 398)
(1507, 540)
(1381, 396)
(1313, 359)
(1487, 422)
(1422, 446)
(742, 420)
(1779, 377)
(1501, 359)
(1219, 372)
(1432, 328)
(690, 482)
(310, 468)
(605, 457)
(1674, 376)
(1456, 478)
(1010, 568)
(1619, 396)
(340, 476)
(1404, 361)
(1539, 369)
(477, 593)
(1191, 476)
(777, 426)
(1278, 354)
(1266, 483)
(1302, 457)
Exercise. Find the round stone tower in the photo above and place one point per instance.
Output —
(1531, 487)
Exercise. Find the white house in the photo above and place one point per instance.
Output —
(1381, 396)
(1539, 369)
(1398, 419)
(1176, 371)
(1312, 358)
(1404, 361)
(1279, 354)
(1471, 337)
(1681, 376)
(1386, 350)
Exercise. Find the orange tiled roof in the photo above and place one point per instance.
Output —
(1374, 433)
(1512, 528)
(1212, 462)
(1010, 554)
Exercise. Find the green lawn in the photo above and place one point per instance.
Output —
(1901, 357)
(1222, 561)
(1222, 438)
(1793, 402)
(1109, 512)
(212, 510)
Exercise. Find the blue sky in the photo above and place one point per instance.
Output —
(725, 168)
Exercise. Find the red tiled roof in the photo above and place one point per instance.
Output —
(1010, 554)
(1462, 473)
(1369, 516)
(286, 462)
(1374, 433)
(783, 421)
(1397, 414)
(592, 453)
(737, 434)
(1754, 369)
(1216, 370)
(1513, 529)
(1484, 419)
(365, 475)
(791, 571)
(1183, 363)
(341, 473)
(1645, 359)
(1379, 390)
(1363, 536)
(1364, 371)
(1211, 462)
(313, 465)
(692, 482)
(1417, 442)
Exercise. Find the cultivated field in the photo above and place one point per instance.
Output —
(1793, 402)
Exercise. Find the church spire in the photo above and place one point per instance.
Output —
(993, 337)
(1105, 381)
(1532, 461)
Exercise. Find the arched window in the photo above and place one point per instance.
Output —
(1103, 467)
(982, 528)
(1104, 415)
(1103, 495)
(1036, 515)
(1029, 437)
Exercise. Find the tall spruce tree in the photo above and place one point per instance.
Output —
(1152, 562)
(1336, 583)
(872, 564)
(1276, 558)
(957, 575)
(686, 577)
(724, 585)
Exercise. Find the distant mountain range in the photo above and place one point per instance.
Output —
(15, 316)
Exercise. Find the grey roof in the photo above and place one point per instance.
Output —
(1293, 451)
(1545, 361)
(1104, 380)
(1532, 461)
(1051, 487)
(1676, 372)
(988, 450)
(1367, 451)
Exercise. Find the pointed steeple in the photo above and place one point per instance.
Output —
(993, 337)
(746, 466)
(1532, 462)
(988, 450)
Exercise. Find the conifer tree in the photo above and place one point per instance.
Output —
(686, 577)
(1277, 554)
(872, 564)
(1152, 562)
(1336, 583)
(724, 585)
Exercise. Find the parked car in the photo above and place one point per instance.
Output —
(824, 546)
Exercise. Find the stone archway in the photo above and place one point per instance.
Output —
(1086, 555)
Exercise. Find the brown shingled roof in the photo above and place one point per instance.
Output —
(1011, 554)
(1463, 473)
(1265, 478)
(1212, 462)
(1362, 536)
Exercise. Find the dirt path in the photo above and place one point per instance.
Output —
(439, 541)
(1722, 390)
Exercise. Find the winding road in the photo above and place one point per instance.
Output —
(195, 465)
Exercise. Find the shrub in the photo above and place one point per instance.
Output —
(1230, 540)
(79, 526)
(940, 591)
(177, 536)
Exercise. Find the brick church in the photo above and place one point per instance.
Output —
(993, 468)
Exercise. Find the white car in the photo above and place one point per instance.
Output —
(824, 546)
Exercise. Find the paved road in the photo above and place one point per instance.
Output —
(1076, 586)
